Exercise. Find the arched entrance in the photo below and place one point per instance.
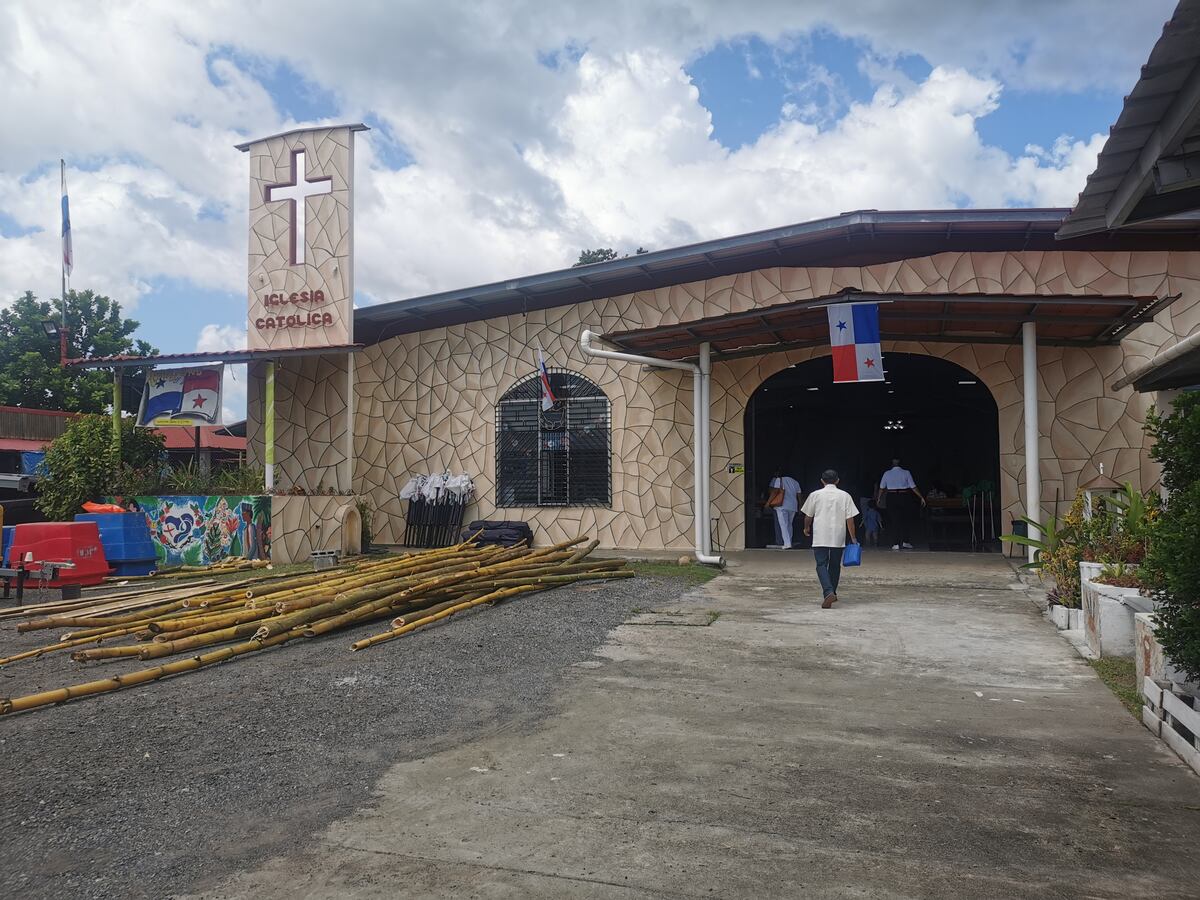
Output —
(938, 417)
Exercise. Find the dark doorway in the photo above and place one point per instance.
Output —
(937, 417)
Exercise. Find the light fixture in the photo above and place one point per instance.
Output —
(814, 388)
(968, 382)
(891, 392)
(50, 327)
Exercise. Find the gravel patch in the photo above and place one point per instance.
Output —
(168, 787)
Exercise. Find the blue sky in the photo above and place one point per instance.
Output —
(507, 136)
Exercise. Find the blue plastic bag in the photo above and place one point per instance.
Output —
(852, 555)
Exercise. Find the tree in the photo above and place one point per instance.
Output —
(603, 254)
(30, 374)
(79, 463)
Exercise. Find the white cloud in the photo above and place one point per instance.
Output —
(517, 164)
(215, 338)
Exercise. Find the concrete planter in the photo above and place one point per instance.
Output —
(1089, 570)
(1108, 618)
(1060, 616)
(1150, 660)
(1075, 619)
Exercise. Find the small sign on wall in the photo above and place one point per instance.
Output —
(736, 469)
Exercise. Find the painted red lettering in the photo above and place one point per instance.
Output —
(318, 296)
(258, 323)
(326, 318)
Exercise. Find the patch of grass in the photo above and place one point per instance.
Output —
(713, 615)
(1120, 674)
(693, 573)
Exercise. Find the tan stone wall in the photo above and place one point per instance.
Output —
(425, 401)
(300, 525)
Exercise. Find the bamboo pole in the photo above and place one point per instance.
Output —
(492, 597)
(142, 676)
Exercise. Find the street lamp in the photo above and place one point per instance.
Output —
(52, 330)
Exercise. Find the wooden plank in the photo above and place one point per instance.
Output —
(1179, 744)
(1152, 691)
(1181, 712)
(1151, 720)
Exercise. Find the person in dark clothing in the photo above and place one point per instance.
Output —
(898, 494)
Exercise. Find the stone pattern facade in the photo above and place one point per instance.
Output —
(329, 233)
(300, 525)
(425, 401)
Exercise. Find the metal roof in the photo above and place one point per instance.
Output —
(1150, 165)
(125, 361)
(357, 126)
(865, 237)
(1063, 320)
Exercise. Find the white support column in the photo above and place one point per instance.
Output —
(1033, 468)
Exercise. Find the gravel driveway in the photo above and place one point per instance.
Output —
(167, 787)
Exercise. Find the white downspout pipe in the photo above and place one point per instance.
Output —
(1033, 473)
(705, 363)
(699, 429)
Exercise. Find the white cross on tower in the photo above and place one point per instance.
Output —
(296, 192)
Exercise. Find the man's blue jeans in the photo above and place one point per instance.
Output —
(829, 568)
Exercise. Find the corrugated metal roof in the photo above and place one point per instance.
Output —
(1062, 320)
(125, 361)
(865, 237)
(1161, 117)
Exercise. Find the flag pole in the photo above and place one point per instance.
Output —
(62, 297)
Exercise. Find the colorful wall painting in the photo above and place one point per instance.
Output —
(201, 530)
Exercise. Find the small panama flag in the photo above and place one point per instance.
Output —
(68, 256)
(854, 337)
(548, 398)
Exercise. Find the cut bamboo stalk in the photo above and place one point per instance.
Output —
(492, 597)
(142, 676)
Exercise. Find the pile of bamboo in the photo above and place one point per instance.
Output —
(224, 567)
(256, 614)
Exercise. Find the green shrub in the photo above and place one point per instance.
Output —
(80, 464)
(1172, 566)
(242, 479)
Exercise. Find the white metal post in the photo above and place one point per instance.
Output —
(1033, 473)
(705, 445)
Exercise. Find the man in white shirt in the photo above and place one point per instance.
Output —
(828, 514)
(898, 495)
(785, 513)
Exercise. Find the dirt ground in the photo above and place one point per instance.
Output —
(167, 788)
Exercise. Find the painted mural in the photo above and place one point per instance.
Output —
(201, 530)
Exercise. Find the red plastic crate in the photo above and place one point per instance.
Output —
(76, 542)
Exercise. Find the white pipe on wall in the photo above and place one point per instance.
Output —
(700, 448)
(1033, 473)
(705, 362)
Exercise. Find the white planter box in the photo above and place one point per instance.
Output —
(1060, 616)
(1090, 570)
(1108, 618)
(1075, 619)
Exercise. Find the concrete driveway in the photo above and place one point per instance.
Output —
(931, 736)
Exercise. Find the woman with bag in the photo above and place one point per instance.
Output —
(784, 498)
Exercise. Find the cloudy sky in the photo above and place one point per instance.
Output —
(506, 136)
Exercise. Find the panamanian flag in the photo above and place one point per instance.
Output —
(548, 398)
(182, 397)
(854, 337)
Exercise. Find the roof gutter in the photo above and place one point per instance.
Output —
(1182, 348)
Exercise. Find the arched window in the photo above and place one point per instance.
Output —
(558, 456)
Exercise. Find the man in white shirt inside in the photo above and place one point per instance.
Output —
(898, 495)
(828, 514)
(785, 513)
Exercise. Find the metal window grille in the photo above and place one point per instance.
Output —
(556, 457)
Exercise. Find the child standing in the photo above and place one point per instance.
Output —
(872, 524)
